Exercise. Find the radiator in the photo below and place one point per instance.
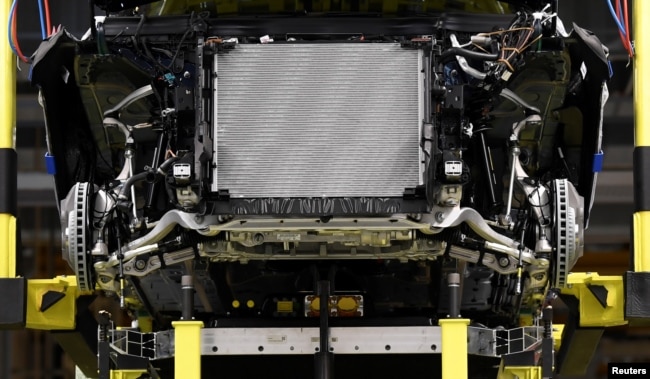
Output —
(317, 120)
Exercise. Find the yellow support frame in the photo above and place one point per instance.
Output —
(454, 347)
(187, 349)
(592, 312)
(7, 141)
(61, 314)
(641, 221)
(637, 309)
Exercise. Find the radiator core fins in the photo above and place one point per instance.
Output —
(317, 120)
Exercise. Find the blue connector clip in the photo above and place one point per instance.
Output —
(598, 162)
(170, 78)
(610, 68)
(50, 164)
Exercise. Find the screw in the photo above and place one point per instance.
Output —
(504, 261)
(440, 217)
(258, 238)
(140, 264)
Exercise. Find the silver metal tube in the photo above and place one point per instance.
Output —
(514, 151)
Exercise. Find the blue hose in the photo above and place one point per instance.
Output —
(42, 14)
(618, 22)
(9, 31)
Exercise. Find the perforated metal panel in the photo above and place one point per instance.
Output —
(312, 120)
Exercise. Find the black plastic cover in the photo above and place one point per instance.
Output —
(641, 178)
(13, 312)
(637, 295)
(8, 186)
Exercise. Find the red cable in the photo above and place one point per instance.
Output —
(47, 17)
(620, 33)
(14, 36)
(627, 30)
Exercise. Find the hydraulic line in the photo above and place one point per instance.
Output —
(158, 152)
(150, 175)
(459, 51)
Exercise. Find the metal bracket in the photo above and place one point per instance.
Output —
(47, 312)
(12, 313)
(592, 311)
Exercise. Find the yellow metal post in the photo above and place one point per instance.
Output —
(187, 356)
(454, 348)
(12, 288)
(7, 152)
(641, 137)
(637, 282)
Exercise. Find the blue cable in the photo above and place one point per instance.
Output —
(9, 31)
(42, 14)
(618, 22)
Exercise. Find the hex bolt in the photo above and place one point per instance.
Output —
(140, 264)
(258, 238)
